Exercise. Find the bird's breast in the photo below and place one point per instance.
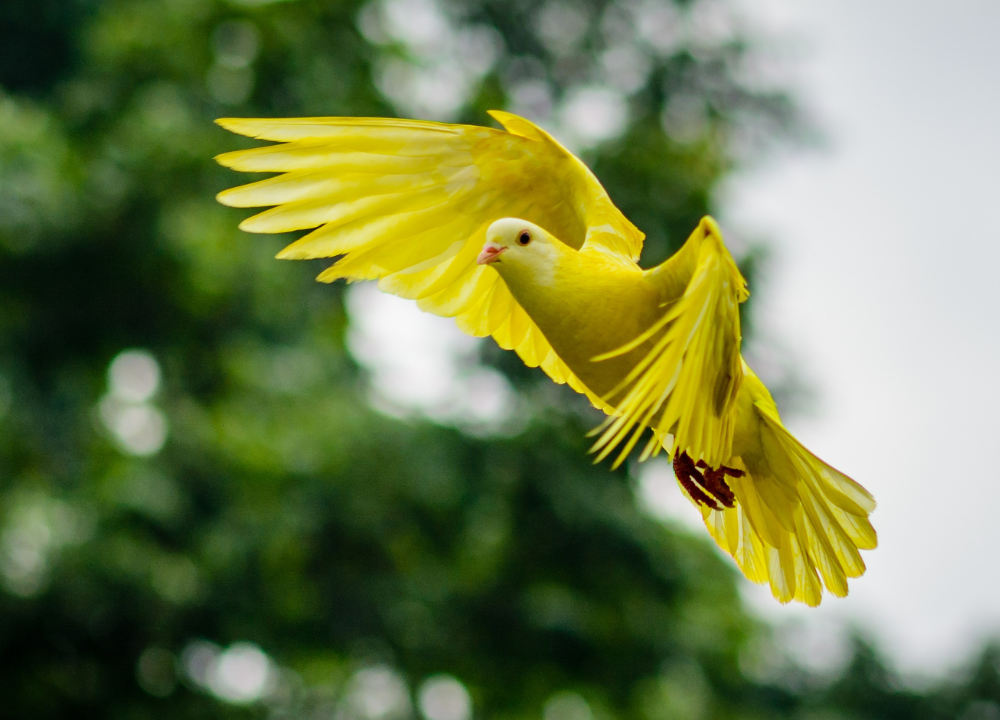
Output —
(585, 314)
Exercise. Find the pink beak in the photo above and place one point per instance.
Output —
(490, 253)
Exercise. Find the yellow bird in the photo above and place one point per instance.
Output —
(512, 235)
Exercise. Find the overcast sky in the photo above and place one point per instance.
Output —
(887, 252)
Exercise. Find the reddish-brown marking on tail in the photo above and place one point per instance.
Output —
(713, 480)
(687, 473)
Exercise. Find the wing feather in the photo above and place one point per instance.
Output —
(694, 355)
(407, 203)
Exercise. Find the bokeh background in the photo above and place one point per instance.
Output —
(228, 491)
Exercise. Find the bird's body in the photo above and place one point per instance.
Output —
(580, 308)
(515, 238)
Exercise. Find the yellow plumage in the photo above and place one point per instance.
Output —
(515, 238)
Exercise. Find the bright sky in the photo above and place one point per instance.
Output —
(886, 248)
(884, 252)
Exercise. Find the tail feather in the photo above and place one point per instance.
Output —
(798, 524)
(809, 589)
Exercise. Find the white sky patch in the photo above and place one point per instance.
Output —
(127, 411)
(239, 674)
(422, 364)
(625, 67)
(884, 283)
(590, 115)
(531, 98)
(443, 697)
(659, 496)
(561, 25)
(443, 60)
(659, 24)
(379, 693)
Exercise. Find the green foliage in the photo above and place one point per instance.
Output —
(867, 688)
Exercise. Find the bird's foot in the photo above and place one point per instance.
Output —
(704, 484)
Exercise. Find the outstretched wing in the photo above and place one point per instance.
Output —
(686, 384)
(408, 202)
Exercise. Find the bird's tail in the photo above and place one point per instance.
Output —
(796, 523)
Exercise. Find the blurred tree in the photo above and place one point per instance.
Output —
(868, 689)
(202, 516)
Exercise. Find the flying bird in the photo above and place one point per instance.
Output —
(513, 236)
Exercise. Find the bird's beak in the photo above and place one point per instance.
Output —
(490, 253)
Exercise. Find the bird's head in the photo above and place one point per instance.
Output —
(514, 245)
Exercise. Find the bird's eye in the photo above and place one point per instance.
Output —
(524, 238)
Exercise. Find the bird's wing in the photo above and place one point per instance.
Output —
(408, 202)
(686, 384)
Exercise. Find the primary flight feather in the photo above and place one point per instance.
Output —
(514, 237)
